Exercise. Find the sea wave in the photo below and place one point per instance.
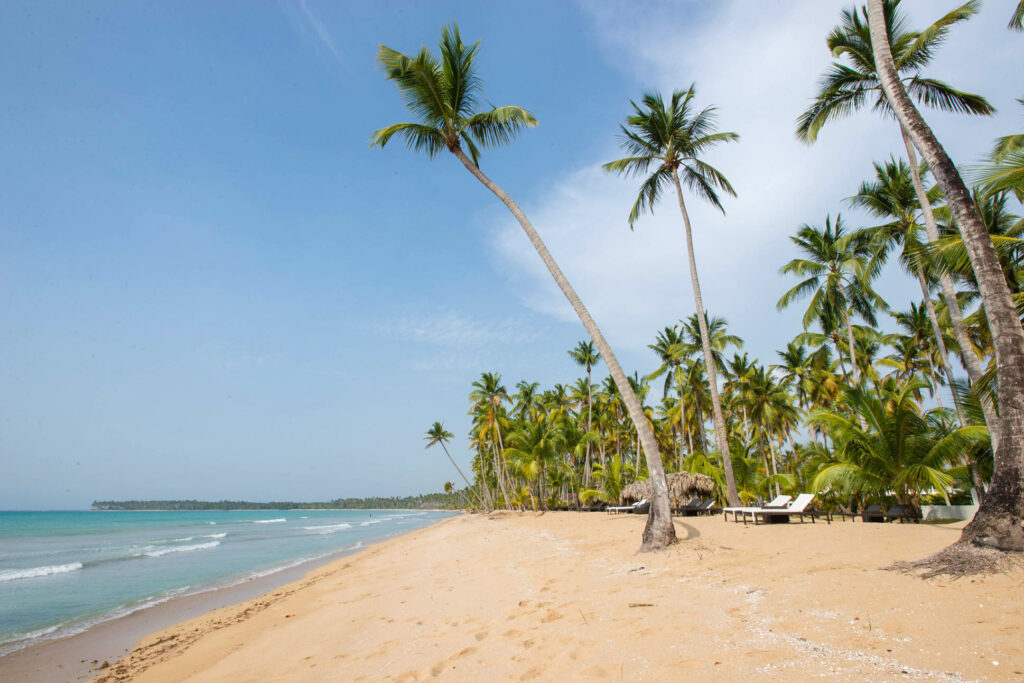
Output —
(36, 572)
(327, 528)
(159, 552)
(220, 535)
(269, 521)
(181, 540)
(372, 521)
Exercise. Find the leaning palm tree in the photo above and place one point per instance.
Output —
(853, 83)
(437, 434)
(444, 92)
(669, 139)
(998, 521)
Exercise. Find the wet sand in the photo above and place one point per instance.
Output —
(564, 596)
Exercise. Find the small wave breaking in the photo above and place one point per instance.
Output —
(327, 528)
(37, 572)
(159, 552)
(269, 521)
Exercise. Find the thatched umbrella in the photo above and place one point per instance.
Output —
(682, 486)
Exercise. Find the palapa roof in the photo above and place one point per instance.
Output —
(682, 486)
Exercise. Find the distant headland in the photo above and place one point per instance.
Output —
(428, 501)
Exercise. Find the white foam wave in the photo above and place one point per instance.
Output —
(214, 523)
(159, 552)
(220, 535)
(372, 521)
(181, 540)
(36, 572)
(327, 528)
(269, 521)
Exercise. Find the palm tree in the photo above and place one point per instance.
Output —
(444, 92)
(437, 434)
(487, 398)
(671, 138)
(892, 195)
(837, 270)
(887, 443)
(998, 521)
(587, 356)
(854, 84)
(1017, 20)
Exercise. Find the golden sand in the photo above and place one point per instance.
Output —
(564, 596)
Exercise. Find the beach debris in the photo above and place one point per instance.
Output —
(105, 664)
(641, 604)
(636, 569)
(584, 617)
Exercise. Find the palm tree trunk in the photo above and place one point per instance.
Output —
(659, 531)
(590, 414)
(775, 468)
(853, 351)
(839, 357)
(469, 487)
(971, 363)
(705, 341)
(998, 521)
(498, 470)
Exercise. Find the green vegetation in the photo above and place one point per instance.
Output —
(451, 500)
(848, 411)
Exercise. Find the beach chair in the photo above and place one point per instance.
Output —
(797, 507)
(708, 508)
(777, 502)
(692, 508)
(873, 513)
(625, 508)
(902, 513)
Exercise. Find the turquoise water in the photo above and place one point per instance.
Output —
(61, 572)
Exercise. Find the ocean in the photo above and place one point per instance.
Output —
(62, 572)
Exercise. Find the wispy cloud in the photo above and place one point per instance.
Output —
(311, 25)
(452, 330)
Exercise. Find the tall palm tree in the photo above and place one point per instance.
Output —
(444, 92)
(487, 398)
(586, 355)
(837, 269)
(998, 521)
(437, 434)
(669, 138)
(892, 195)
(854, 83)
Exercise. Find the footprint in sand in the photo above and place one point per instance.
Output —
(480, 635)
(551, 616)
(511, 633)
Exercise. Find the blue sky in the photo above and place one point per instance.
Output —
(213, 289)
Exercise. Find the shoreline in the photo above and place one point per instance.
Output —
(71, 657)
(565, 596)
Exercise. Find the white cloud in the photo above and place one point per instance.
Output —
(310, 25)
(758, 63)
(452, 330)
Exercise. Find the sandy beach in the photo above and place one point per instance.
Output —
(564, 596)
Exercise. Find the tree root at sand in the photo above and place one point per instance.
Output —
(960, 560)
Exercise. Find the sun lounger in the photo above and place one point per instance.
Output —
(902, 513)
(797, 507)
(626, 508)
(873, 513)
(708, 508)
(777, 502)
(690, 508)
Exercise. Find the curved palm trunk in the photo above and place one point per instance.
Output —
(705, 341)
(469, 487)
(998, 521)
(659, 532)
(971, 363)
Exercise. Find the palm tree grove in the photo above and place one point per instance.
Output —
(868, 403)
